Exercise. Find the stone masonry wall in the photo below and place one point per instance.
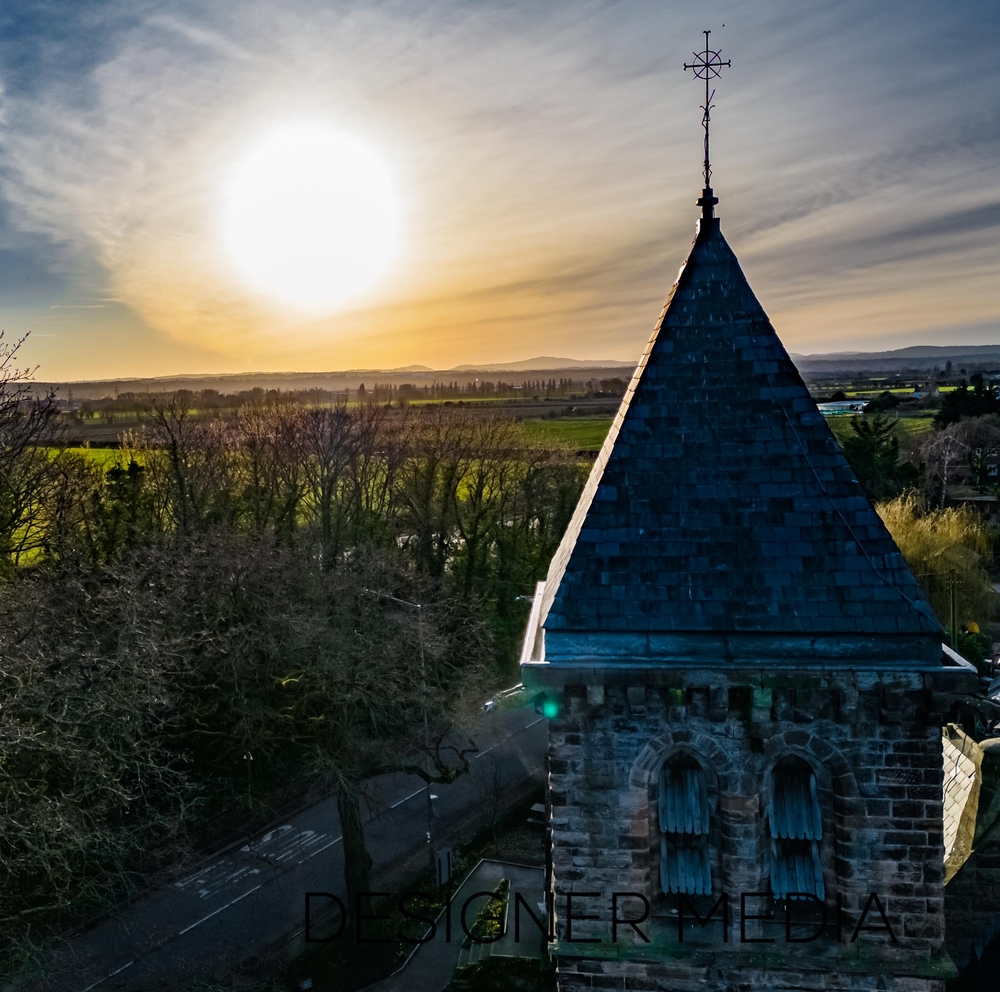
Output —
(972, 896)
(874, 743)
(723, 977)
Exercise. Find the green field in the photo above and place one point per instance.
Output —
(872, 393)
(853, 394)
(905, 426)
(462, 401)
(578, 433)
(915, 425)
(105, 457)
(588, 433)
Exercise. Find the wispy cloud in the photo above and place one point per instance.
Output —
(548, 156)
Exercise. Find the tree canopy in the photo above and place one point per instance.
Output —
(212, 620)
(964, 402)
(942, 547)
(872, 448)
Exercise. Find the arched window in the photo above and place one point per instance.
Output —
(684, 846)
(796, 830)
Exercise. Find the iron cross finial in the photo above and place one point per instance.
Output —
(707, 65)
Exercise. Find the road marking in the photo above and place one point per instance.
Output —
(305, 839)
(478, 754)
(336, 840)
(422, 788)
(284, 842)
(180, 933)
(106, 977)
(214, 878)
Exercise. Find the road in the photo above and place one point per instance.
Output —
(251, 897)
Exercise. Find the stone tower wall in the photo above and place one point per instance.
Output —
(874, 742)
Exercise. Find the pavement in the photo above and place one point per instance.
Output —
(242, 903)
(432, 965)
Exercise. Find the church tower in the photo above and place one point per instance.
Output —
(745, 761)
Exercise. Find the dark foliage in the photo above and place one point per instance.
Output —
(873, 451)
(505, 974)
(206, 627)
(882, 403)
(964, 402)
(187, 685)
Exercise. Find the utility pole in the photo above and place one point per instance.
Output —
(427, 737)
(953, 583)
(419, 607)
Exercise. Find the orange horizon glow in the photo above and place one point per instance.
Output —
(529, 189)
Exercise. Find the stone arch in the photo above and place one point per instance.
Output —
(838, 789)
(644, 785)
(833, 770)
(712, 756)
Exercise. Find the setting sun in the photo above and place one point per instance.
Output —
(312, 219)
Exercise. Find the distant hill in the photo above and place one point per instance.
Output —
(915, 351)
(914, 362)
(915, 359)
(543, 364)
(337, 381)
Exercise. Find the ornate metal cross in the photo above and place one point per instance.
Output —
(707, 65)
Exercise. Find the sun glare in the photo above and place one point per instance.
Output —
(312, 219)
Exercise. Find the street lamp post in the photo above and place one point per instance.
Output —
(419, 607)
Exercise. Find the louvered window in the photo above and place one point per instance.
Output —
(796, 831)
(684, 845)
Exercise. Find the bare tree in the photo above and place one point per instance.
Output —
(944, 452)
(179, 621)
(379, 456)
(438, 457)
(488, 491)
(330, 440)
(190, 462)
(27, 424)
(90, 788)
(270, 470)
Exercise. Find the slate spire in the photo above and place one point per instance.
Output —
(721, 519)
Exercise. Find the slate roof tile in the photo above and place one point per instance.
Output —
(720, 500)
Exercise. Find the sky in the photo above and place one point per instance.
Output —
(544, 157)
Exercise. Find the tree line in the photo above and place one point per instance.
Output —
(129, 406)
(230, 612)
(950, 548)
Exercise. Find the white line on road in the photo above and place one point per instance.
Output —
(267, 837)
(478, 754)
(336, 840)
(505, 740)
(422, 789)
(180, 933)
(106, 977)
